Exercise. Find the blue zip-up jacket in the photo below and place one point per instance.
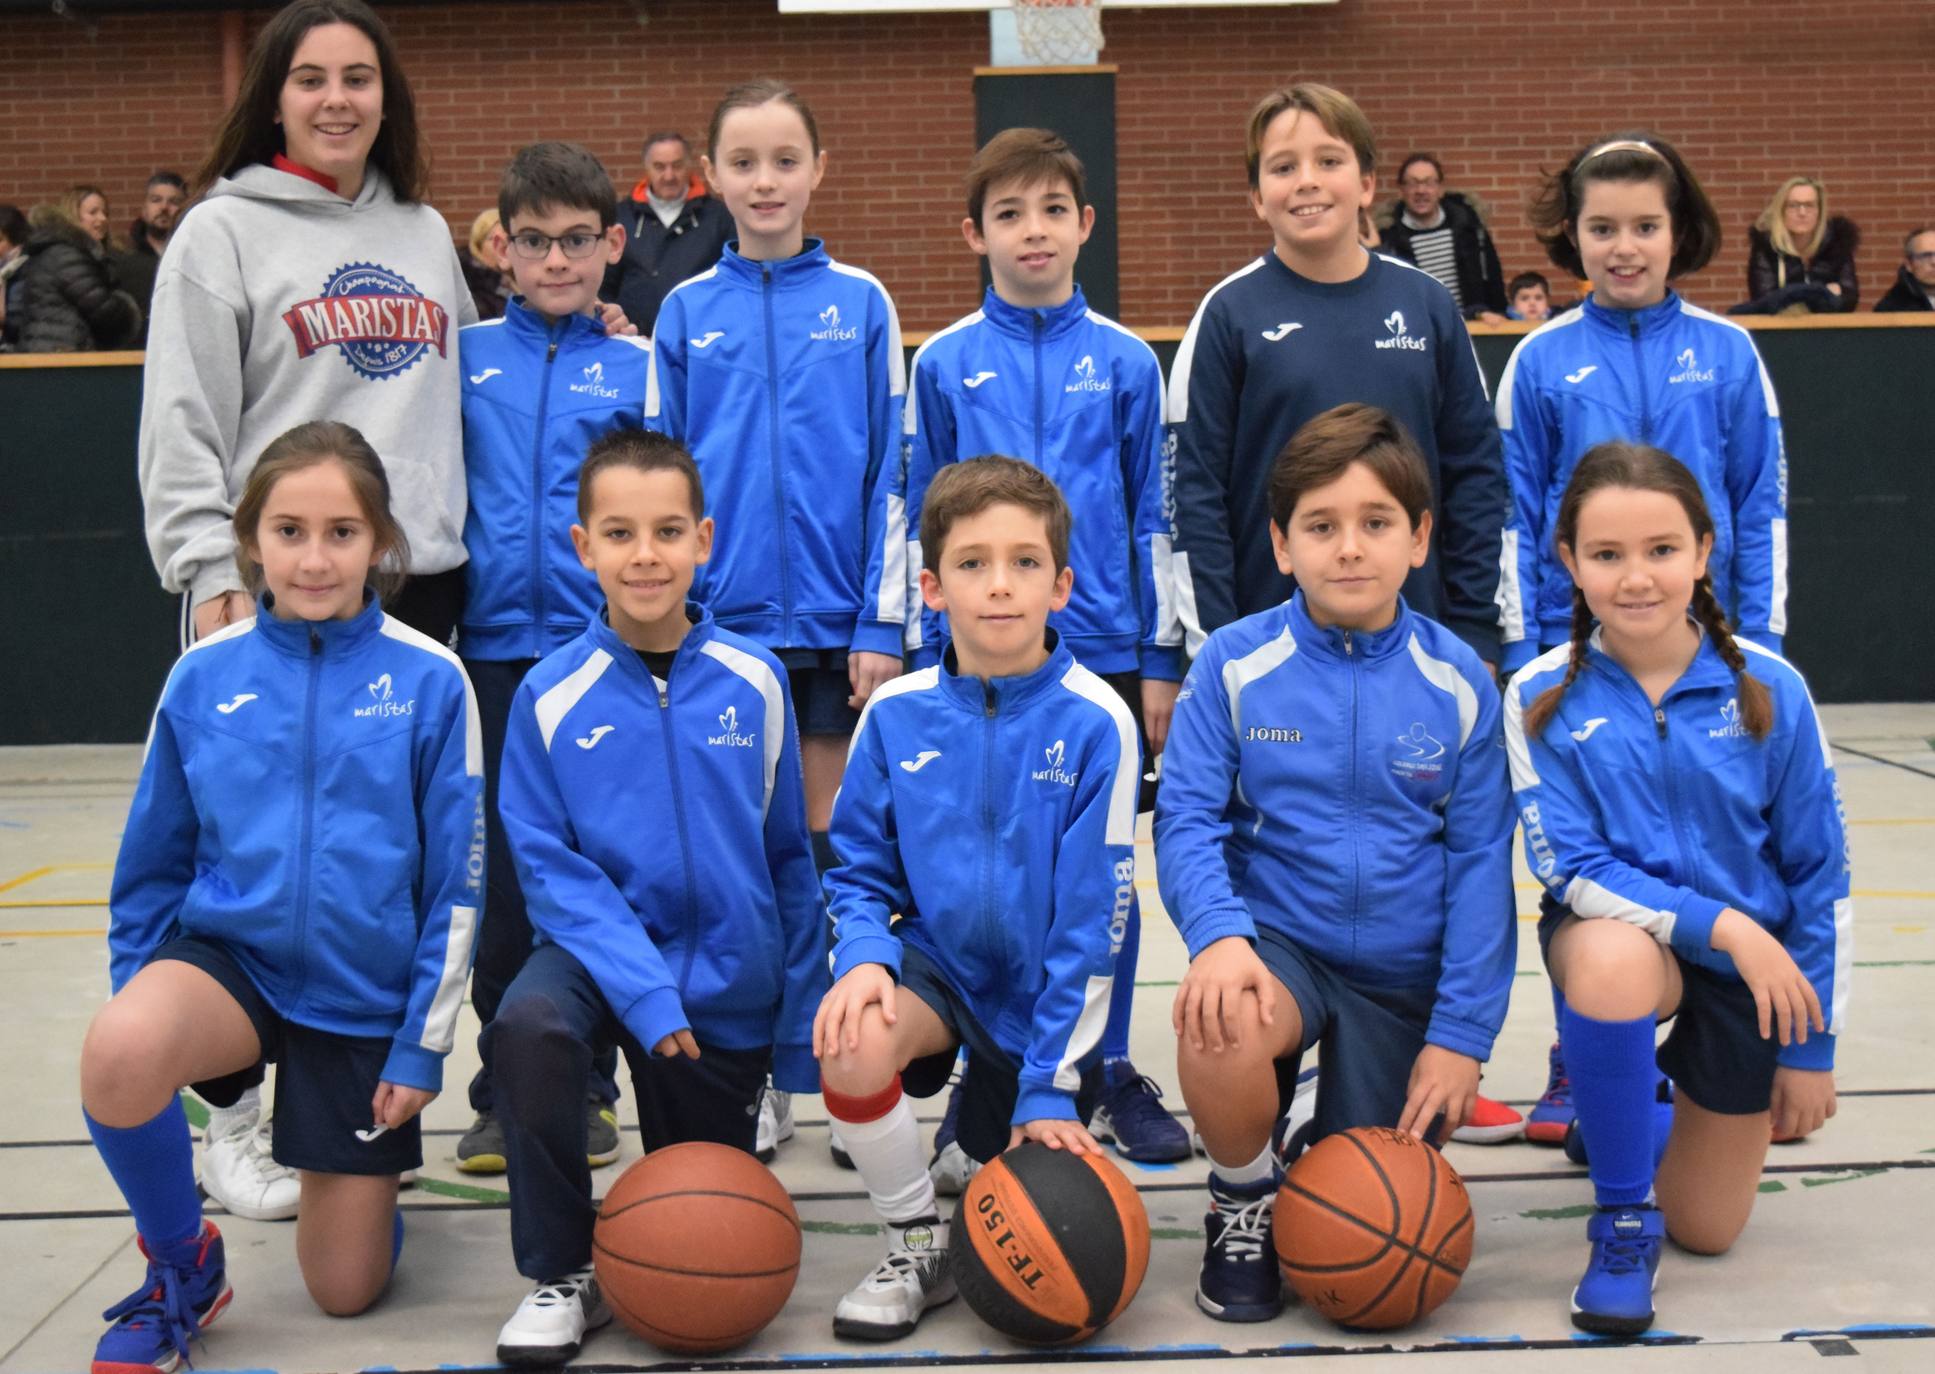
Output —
(1665, 816)
(312, 797)
(1267, 351)
(660, 838)
(785, 380)
(1673, 376)
(1346, 789)
(997, 819)
(535, 397)
(1080, 397)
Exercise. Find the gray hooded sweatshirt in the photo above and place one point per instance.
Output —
(280, 302)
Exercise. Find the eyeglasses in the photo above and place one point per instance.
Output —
(1921, 257)
(1812, 207)
(535, 247)
(1420, 183)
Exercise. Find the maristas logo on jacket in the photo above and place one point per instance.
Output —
(834, 330)
(380, 321)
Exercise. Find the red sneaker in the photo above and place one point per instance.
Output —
(1492, 1123)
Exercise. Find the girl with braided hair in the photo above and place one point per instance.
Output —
(1679, 805)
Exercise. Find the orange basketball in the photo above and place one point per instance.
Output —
(1373, 1228)
(697, 1247)
(1049, 1247)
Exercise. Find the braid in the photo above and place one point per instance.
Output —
(1540, 712)
(1756, 707)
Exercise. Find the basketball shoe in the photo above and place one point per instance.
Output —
(237, 1168)
(151, 1327)
(1615, 1298)
(1239, 1281)
(551, 1323)
(914, 1276)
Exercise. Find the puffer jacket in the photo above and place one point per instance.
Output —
(70, 303)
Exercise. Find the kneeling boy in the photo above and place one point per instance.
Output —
(1333, 840)
(653, 800)
(989, 801)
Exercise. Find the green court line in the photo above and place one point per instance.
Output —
(1772, 1185)
(1841, 1178)
(465, 1192)
(1584, 1209)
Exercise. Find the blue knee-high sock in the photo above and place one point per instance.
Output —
(396, 1238)
(1115, 1035)
(153, 1165)
(1611, 1067)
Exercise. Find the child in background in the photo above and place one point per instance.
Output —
(541, 384)
(781, 370)
(1530, 297)
(651, 795)
(1333, 840)
(1680, 806)
(990, 803)
(298, 882)
(1037, 374)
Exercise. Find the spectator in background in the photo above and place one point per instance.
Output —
(673, 230)
(68, 301)
(1914, 287)
(13, 242)
(1444, 233)
(87, 206)
(1798, 255)
(1529, 297)
(161, 207)
(485, 271)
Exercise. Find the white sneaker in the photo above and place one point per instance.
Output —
(889, 1302)
(775, 1122)
(951, 1169)
(553, 1320)
(237, 1169)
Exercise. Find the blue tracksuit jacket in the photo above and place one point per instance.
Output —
(1080, 397)
(997, 819)
(1347, 790)
(660, 839)
(535, 396)
(1267, 351)
(1665, 816)
(312, 797)
(785, 380)
(1673, 376)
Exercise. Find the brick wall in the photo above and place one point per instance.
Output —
(1752, 90)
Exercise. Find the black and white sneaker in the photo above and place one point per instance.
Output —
(889, 1302)
(552, 1322)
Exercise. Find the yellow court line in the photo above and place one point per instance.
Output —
(36, 873)
(52, 901)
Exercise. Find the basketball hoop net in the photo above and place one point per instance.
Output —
(1059, 32)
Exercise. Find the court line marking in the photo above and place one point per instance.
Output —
(1892, 763)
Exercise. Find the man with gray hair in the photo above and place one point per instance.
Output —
(673, 230)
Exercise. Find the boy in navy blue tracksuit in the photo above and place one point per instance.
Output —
(1333, 840)
(1037, 374)
(653, 801)
(540, 384)
(990, 803)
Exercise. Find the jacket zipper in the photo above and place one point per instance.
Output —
(537, 497)
(990, 925)
(779, 484)
(1639, 372)
(308, 815)
(670, 741)
(1356, 860)
(1689, 874)
(1036, 457)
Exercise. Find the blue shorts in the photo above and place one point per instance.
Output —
(991, 1084)
(1371, 1037)
(820, 687)
(1714, 1052)
(324, 1083)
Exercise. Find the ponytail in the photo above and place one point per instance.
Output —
(1539, 714)
(1756, 704)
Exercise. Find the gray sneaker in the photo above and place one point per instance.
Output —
(915, 1275)
(601, 1133)
(481, 1151)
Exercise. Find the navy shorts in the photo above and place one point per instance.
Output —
(818, 679)
(1371, 1037)
(323, 1085)
(1713, 1051)
(992, 1084)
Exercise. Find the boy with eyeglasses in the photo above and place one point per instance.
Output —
(539, 386)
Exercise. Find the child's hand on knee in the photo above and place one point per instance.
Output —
(1783, 996)
(679, 1042)
(838, 1018)
(394, 1104)
(1803, 1100)
(1442, 1080)
(1209, 1002)
(1071, 1136)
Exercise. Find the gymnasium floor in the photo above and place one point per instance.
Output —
(1835, 1263)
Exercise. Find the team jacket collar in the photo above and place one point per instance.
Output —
(1000, 695)
(600, 633)
(1706, 670)
(331, 638)
(1023, 321)
(1650, 320)
(1366, 646)
(525, 322)
(810, 259)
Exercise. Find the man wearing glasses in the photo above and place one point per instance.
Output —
(674, 230)
(1442, 232)
(1914, 287)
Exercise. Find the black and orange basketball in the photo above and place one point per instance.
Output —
(1373, 1228)
(1049, 1247)
(697, 1247)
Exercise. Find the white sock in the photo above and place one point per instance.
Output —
(1256, 1171)
(222, 1120)
(887, 1153)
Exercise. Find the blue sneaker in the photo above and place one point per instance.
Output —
(1131, 1114)
(153, 1326)
(1615, 1298)
(1552, 1113)
(1240, 1281)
